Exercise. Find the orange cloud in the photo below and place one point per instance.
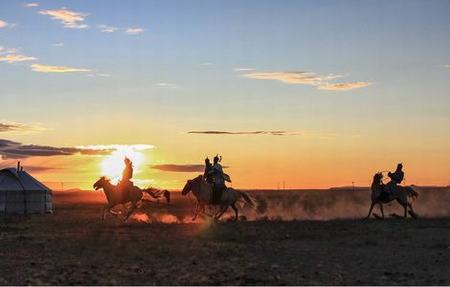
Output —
(306, 78)
(69, 19)
(13, 58)
(56, 69)
(343, 86)
(179, 167)
(294, 77)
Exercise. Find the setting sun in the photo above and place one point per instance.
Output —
(113, 165)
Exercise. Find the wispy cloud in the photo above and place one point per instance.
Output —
(179, 167)
(32, 4)
(273, 133)
(107, 29)
(56, 69)
(14, 58)
(70, 19)
(60, 44)
(13, 150)
(293, 77)
(134, 31)
(322, 82)
(343, 86)
(8, 126)
(166, 85)
(243, 69)
(446, 66)
(103, 75)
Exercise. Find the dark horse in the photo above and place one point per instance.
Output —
(400, 194)
(134, 195)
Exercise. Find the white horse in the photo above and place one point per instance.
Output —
(400, 194)
(203, 192)
(117, 196)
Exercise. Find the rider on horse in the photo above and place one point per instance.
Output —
(125, 184)
(396, 178)
(215, 172)
(206, 175)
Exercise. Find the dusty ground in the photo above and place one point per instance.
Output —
(73, 246)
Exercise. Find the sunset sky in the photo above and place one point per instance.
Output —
(313, 93)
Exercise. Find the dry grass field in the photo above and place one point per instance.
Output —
(297, 237)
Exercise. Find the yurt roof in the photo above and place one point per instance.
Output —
(11, 179)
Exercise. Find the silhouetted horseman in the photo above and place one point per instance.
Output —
(396, 178)
(216, 173)
(206, 175)
(398, 175)
(127, 175)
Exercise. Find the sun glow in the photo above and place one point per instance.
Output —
(113, 165)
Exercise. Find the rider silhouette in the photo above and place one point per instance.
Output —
(127, 175)
(398, 175)
(206, 175)
(396, 178)
(216, 172)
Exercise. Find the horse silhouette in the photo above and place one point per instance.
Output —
(203, 192)
(400, 194)
(134, 194)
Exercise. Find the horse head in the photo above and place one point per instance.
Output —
(101, 183)
(189, 184)
(377, 178)
(187, 187)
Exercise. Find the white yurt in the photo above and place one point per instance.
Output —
(22, 193)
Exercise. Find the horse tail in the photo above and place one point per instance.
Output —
(410, 192)
(246, 197)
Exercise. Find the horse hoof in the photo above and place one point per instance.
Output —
(413, 214)
(377, 216)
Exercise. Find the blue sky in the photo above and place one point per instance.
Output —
(226, 65)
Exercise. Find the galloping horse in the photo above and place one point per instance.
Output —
(203, 192)
(134, 195)
(400, 194)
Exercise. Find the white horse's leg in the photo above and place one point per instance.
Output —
(370, 209)
(381, 209)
